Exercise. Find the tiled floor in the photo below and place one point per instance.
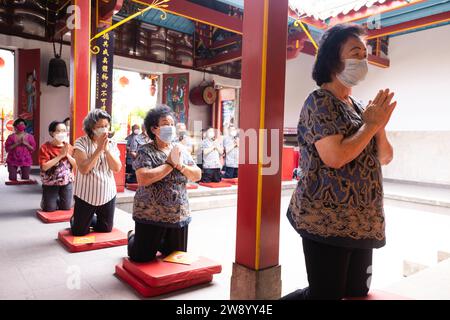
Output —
(33, 265)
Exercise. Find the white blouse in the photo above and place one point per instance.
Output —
(98, 186)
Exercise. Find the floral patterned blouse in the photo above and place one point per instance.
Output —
(341, 207)
(164, 203)
(60, 174)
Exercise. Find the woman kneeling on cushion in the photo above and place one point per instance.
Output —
(55, 159)
(161, 207)
(97, 158)
(19, 146)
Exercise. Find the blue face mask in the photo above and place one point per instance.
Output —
(167, 133)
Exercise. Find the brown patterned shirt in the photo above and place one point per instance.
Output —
(342, 207)
(164, 203)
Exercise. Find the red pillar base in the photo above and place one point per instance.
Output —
(249, 284)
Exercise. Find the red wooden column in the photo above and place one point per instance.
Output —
(256, 272)
(80, 71)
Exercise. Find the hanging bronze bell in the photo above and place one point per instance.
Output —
(57, 70)
(57, 73)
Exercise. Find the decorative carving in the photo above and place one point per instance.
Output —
(156, 4)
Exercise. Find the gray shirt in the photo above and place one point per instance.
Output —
(132, 146)
(231, 157)
(212, 159)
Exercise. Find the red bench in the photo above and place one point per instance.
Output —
(55, 216)
(233, 181)
(215, 184)
(379, 295)
(131, 186)
(159, 277)
(92, 241)
(20, 182)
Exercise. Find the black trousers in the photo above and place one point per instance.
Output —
(130, 174)
(57, 197)
(230, 173)
(83, 217)
(211, 175)
(334, 272)
(24, 172)
(149, 239)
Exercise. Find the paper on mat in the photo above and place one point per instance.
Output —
(181, 258)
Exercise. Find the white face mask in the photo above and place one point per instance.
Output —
(100, 131)
(167, 133)
(136, 132)
(61, 137)
(354, 72)
(211, 134)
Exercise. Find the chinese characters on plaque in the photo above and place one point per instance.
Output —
(104, 77)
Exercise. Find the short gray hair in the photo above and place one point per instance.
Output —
(92, 118)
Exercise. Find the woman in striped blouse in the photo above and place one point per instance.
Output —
(97, 159)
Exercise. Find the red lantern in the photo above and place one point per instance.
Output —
(2, 62)
(123, 81)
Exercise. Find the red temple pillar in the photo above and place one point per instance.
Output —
(256, 271)
(80, 71)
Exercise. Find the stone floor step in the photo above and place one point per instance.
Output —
(443, 255)
(435, 195)
(432, 283)
(203, 198)
(410, 268)
(205, 203)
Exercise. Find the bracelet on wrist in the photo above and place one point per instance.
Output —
(170, 165)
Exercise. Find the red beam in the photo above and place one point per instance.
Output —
(379, 61)
(410, 25)
(195, 12)
(365, 12)
(309, 49)
(106, 10)
(220, 59)
(80, 69)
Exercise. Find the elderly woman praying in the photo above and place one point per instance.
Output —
(97, 159)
